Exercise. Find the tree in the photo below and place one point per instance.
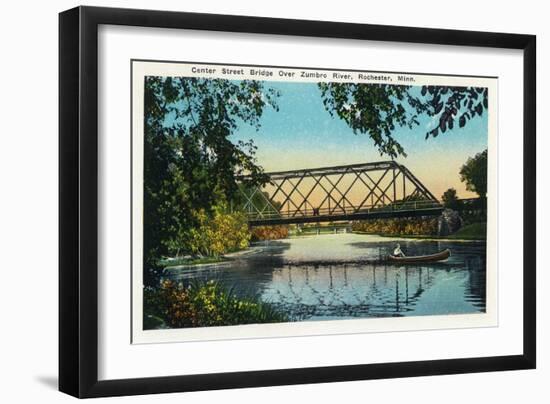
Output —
(449, 198)
(218, 233)
(474, 174)
(190, 165)
(452, 104)
(377, 109)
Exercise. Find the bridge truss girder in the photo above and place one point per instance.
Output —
(380, 189)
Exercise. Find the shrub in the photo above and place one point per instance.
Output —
(269, 232)
(218, 233)
(205, 304)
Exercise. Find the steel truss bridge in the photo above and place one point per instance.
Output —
(383, 189)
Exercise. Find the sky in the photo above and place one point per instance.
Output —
(302, 134)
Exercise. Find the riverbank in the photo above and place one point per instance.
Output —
(182, 263)
(469, 233)
(188, 261)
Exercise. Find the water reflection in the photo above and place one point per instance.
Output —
(341, 276)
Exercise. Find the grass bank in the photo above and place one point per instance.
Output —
(474, 231)
(167, 263)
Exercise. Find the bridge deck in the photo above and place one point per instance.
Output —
(434, 210)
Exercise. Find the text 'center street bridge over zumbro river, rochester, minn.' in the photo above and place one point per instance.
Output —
(360, 191)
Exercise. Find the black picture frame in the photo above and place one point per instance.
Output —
(78, 201)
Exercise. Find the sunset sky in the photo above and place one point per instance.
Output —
(302, 134)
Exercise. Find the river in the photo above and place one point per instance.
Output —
(335, 276)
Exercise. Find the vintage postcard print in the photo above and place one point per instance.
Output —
(284, 201)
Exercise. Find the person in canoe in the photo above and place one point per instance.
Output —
(401, 258)
(397, 252)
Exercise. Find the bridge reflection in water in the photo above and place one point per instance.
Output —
(350, 291)
(334, 277)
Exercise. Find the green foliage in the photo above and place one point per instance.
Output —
(151, 322)
(474, 231)
(204, 305)
(377, 109)
(454, 103)
(474, 174)
(190, 166)
(474, 211)
(450, 199)
(256, 202)
(397, 226)
(217, 233)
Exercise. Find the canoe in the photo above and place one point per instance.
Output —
(440, 256)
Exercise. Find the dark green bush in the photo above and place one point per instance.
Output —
(204, 304)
